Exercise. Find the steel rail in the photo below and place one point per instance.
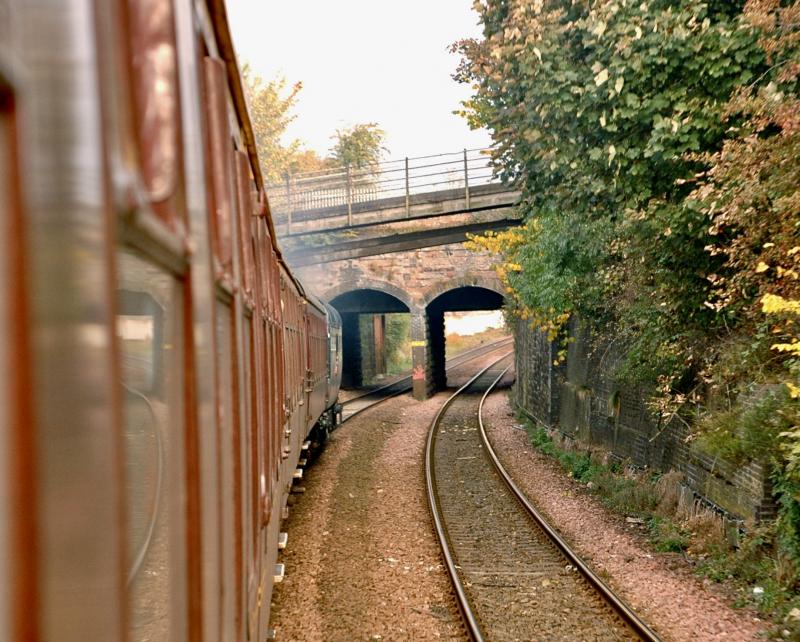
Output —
(481, 350)
(485, 348)
(467, 613)
(623, 610)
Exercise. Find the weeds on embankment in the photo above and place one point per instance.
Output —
(755, 569)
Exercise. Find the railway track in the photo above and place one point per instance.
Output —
(360, 403)
(513, 576)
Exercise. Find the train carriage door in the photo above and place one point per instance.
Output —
(266, 424)
(259, 495)
(151, 330)
(242, 527)
(223, 210)
(280, 344)
(274, 396)
(271, 427)
(310, 349)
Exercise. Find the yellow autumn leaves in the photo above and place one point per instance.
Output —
(504, 245)
(772, 304)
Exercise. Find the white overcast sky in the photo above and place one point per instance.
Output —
(382, 61)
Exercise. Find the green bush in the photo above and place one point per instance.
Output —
(750, 430)
(667, 537)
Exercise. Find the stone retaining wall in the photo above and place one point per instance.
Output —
(584, 399)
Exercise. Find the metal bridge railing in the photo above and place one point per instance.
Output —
(344, 187)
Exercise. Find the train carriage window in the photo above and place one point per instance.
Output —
(272, 274)
(249, 486)
(150, 341)
(219, 153)
(274, 420)
(244, 216)
(280, 361)
(278, 400)
(156, 104)
(271, 454)
(266, 270)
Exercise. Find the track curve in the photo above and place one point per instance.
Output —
(512, 579)
(360, 403)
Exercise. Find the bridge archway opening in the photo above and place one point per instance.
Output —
(457, 301)
(375, 336)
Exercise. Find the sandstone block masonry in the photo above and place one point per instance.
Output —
(584, 399)
(416, 278)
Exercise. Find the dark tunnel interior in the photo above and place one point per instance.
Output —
(352, 305)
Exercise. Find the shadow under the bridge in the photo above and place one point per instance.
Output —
(375, 327)
(462, 299)
(368, 346)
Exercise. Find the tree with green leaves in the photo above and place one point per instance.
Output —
(598, 111)
(271, 111)
(360, 146)
(657, 147)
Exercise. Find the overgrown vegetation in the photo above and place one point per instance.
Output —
(398, 343)
(758, 568)
(657, 148)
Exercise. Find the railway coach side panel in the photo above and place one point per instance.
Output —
(316, 324)
(270, 361)
(296, 356)
(227, 327)
(176, 364)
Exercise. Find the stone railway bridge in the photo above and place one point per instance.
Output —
(369, 247)
(426, 283)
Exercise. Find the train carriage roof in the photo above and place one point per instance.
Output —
(219, 19)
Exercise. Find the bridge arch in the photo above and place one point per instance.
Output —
(438, 289)
(457, 295)
(377, 285)
(363, 345)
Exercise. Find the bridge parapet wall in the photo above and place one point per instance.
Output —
(415, 277)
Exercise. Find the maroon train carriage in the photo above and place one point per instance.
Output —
(162, 368)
